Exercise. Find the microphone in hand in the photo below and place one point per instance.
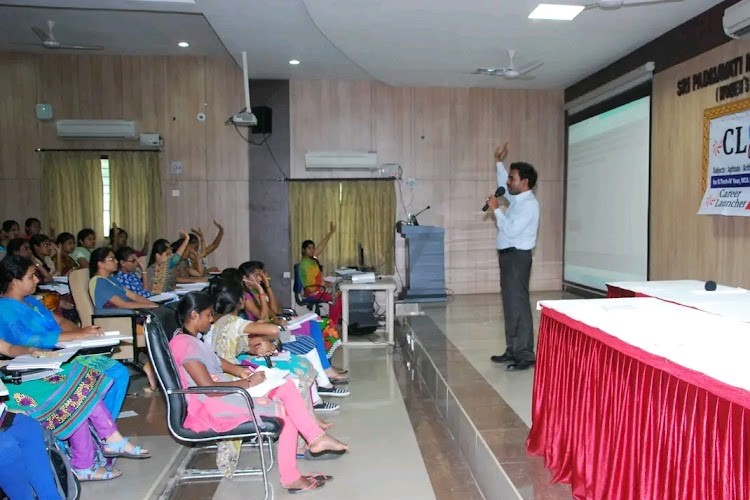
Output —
(498, 193)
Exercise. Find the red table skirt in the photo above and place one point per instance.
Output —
(615, 292)
(616, 422)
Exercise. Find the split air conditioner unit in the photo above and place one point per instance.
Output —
(97, 129)
(340, 160)
(737, 20)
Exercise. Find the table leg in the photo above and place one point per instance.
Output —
(389, 315)
(344, 316)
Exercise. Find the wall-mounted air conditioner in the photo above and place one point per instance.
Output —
(97, 129)
(340, 160)
(736, 20)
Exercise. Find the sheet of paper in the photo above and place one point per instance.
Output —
(163, 297)
(127, 414)
(275, 377)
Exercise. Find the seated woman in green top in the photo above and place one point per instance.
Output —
(311, 275)
(161, 274)
(86, 240)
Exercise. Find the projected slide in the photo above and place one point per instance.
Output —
(606, 216)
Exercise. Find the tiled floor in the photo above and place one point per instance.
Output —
(407, 434)
(487, 409)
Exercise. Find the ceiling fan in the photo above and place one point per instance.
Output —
(616, 4)
(510, 72)
(50, 42)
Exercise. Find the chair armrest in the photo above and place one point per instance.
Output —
(102, 312)
(216, 390)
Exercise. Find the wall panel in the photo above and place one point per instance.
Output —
(162, 94)
(682, 244)
(444, 138)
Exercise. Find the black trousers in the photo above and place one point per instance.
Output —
(515, 272)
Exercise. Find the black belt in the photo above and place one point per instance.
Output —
(511, 249)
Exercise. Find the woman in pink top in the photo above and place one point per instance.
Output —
(199, 365)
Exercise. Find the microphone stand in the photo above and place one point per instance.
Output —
(413, 218)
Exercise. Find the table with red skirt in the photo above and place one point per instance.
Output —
(640, 398)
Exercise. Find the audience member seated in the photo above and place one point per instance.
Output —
(19, 246)
(129, 272)
(229, 337)
(69, 404)
(25, 469)
(10, 230)
(106, 293)
(32, 227)
(24, 321)
(118, 238)
(86, 241)
(41, 251)
(199, 365)
(261, 304)
(198, 252)
(161, 274)
(311, 274)
(64, 263)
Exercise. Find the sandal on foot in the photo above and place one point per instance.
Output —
(112, 450)
(318, 476)
(323, 455)
(96, 474)
(313, 485)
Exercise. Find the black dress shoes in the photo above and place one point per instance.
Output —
(519, 365)
(505, 358)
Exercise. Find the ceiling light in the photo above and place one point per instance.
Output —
(556, 12)
(183, 44)
(294, 62)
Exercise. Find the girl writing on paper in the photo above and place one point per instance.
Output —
(198, 365)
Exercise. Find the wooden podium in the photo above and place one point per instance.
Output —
(425, 263)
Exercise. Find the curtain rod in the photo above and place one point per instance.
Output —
(102, 150)
(339, 179)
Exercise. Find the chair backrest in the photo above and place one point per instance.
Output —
(297, 285)
(166, 372)
(78, 281)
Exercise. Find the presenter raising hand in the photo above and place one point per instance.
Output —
(516, 238)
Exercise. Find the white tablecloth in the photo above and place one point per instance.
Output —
(726, 301)
(713, 345)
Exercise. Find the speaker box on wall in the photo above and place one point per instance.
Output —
(263, 114)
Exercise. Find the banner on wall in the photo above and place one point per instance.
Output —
(727, 165)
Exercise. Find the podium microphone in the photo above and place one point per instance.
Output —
(413, 218)
(498, 193)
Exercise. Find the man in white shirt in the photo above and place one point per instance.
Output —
(516, 238)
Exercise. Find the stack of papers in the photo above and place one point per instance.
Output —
(295, 322)
(61, 279)
(51, 361)
(60, 288)
(185, 288)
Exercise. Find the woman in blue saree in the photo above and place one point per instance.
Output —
(24, 321)
(70, 404)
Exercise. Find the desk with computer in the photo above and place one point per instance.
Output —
(358, 316)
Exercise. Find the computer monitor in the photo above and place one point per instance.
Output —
(361, 262)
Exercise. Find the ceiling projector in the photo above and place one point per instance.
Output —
(245, 119)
